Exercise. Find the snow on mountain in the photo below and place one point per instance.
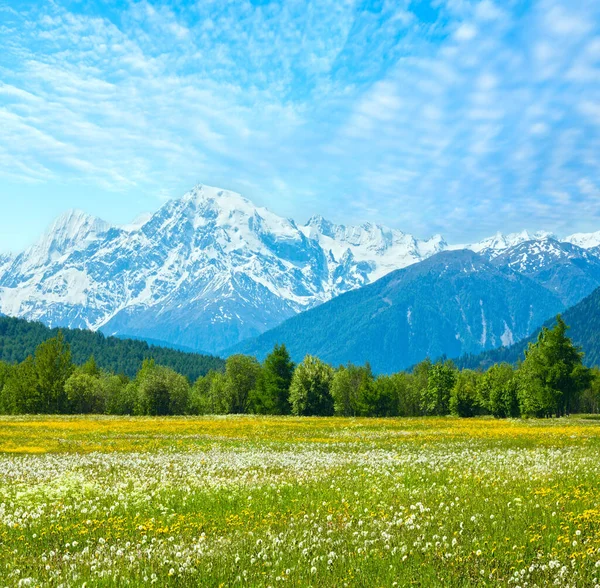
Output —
(206, 270)
(137, 223)
(567, 270)
(375, 249)
(585, 240)
(5, 261)
(493, 246)
(72, 231)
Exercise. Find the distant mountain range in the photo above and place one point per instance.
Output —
(456, 302)
(211, 270)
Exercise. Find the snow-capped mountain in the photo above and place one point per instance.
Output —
(205, 271)
(369, 251)
(211, 269)
(5, 261)
(585, 240)
(567, 270)
(453, 303)
(73, 231)
(499, 243)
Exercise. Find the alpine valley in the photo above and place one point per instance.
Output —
(212, 272)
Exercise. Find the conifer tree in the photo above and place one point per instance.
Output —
(271, 395)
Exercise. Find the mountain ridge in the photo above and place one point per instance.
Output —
(455, 300)
(211, 269)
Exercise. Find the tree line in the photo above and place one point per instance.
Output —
(20, 338)
(551, 380)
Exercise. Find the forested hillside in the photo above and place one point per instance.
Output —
(584, 322)
(19, 339)
(450, 304)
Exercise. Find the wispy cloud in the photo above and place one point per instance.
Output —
(456, 116)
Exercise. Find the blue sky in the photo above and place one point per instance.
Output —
(451, 116)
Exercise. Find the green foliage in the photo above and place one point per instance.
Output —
(120, 394)
(377, 399)
(346, 389)
(551, 381)
(20, 338)
(310, 391)
(463, 397)
(241, 376)
(271, 395)
(590, 401)
(161, 391)
(90, 367)
(208, 395)
(85, 393)
(21, 393)
(498, 391)
(408, 392)
(435, 397)
(553, 376)
(53, 367)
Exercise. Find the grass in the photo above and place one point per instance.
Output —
(227, 501)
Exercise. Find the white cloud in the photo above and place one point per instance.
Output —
(483, 109)
(488, 11)
(465, 32)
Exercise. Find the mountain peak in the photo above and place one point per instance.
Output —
(201, 193)
(493, 246)
(73, 229)
(585, 240)
(75, 219)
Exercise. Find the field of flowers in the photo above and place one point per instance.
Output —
(270, 501)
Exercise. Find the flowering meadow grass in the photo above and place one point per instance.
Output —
(265, 501)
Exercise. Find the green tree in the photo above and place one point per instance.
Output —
(435, 398)
(21, 393)
(398, 395)
(553, 376)
(463, 397)
(387, 393)
(310, 389)
(161, 391)
(53, 367)
(271, 395)
(590, 401)
(346, 390)
(120, 394)
(241, 376)
(5, 406)
(85, 393)
(370, 401)
(408, 393)
(207, 396)
(419, 382)
(498, 391)
(90, 367)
